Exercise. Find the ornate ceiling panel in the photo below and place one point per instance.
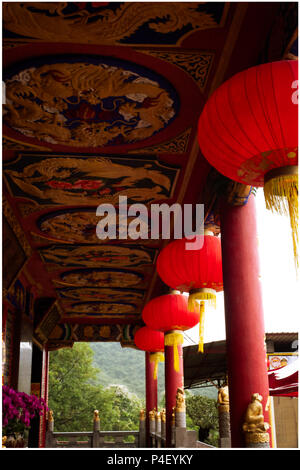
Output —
(102, 101)
(112, 23)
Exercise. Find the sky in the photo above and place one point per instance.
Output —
(280, 287)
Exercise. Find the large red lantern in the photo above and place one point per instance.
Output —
(248, 131)
(198, 272)
(169, 313)
(151, 341)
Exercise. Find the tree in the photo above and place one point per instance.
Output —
(120, 410)
(202, 415)
(74, 394)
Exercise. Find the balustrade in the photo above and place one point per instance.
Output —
(181, 437)
(95, 438)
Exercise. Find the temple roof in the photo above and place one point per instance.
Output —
(102, 100)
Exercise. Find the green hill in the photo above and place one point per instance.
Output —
(126, 366)
(123, 366)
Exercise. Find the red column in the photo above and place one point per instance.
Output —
(246, 354)
(151, 391)
(173, 381)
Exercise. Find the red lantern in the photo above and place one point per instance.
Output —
(198, 272)
(248, 131)
(151, 341)
(167, 314)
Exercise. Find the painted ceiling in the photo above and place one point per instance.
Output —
(102, 100)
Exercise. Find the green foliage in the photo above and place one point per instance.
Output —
(124, 366)
(202, 414)
(111, 379)
(74, 394)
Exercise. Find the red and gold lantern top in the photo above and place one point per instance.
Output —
(196, 271)
(249, 126)
(169, 312)
(248, 131)
(193, 271)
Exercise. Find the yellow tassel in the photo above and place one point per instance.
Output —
(281, 196)
(201, 327)
(202, 295)
(156, 358)
(174, 339)
(194, 297)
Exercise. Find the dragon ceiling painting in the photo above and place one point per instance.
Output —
(102, 100)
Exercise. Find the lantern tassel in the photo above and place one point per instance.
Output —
(174, 339)
(281, 196)
(156, 358)
(202, 295)
(194, 297)
(201, 326)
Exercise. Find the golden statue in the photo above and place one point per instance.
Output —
(152, 415)
(254, 418)
(96, 415)
(142, 415)
(180, 400)
(50, 416)
(163, 415)
(223, 398)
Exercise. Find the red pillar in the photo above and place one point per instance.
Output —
(173, 381)
(245, 335)
(151, 391)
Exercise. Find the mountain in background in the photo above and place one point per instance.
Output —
(126, 367)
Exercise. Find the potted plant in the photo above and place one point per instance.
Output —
(18, 409)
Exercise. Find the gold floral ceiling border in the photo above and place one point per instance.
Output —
(16, 227)
(48, 324)
(69, 333)
(8, 143)
(196, 64)
(179, 145)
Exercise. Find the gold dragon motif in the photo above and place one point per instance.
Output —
(49, 21)
(54, 175)
(40, 103)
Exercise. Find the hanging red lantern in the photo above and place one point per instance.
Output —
(152, 341)
(169, 313)
(198, 272)
(148, 339)
(248, 131)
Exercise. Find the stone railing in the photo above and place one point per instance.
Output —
(95, 438)
(181, 436)
(69, 439)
